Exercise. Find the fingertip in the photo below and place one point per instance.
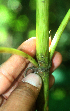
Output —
(29, 46)
(57, 58)
(56, 61)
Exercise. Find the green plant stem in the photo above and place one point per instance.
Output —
(18, 52)
(42, 50)
(59, 33)
(42, 31)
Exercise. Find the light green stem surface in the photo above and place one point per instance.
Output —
(58, 33)
(42, 50)
(42, 30)
(18, 52)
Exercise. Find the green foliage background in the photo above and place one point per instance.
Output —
(18, 23)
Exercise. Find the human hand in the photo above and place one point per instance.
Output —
(12, 72)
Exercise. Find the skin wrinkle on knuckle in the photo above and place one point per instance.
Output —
(25, 91)
(9, 76)
(24, 94)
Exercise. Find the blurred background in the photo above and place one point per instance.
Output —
(18, 23)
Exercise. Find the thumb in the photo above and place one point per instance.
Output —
(24, 96)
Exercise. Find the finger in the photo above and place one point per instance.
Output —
(15, 83)
(25, 95)
(15, 64)
(57, 58)
(7, 94)
(51, 81)
(29, 46)
(56, 61)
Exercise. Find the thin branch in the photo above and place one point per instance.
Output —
(18, 52)
(59, 33)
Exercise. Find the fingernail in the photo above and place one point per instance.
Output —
(33, 79)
